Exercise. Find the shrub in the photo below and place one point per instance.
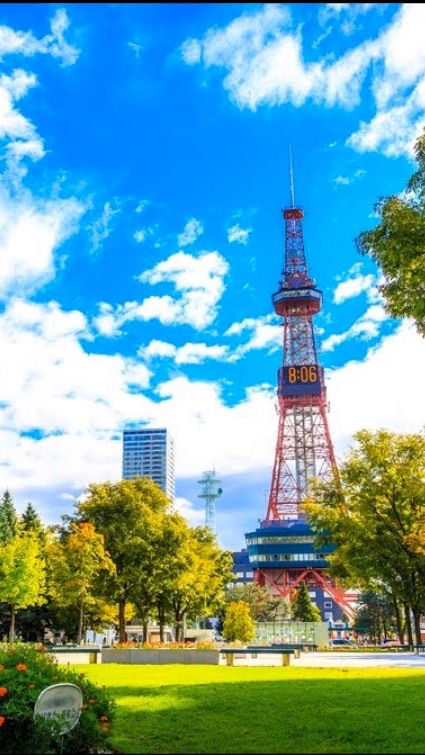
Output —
(25, 671)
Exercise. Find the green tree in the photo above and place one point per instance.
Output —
(192, 573)
(303, 608)
(22, 572)
(375, 517)
(262, 605)
(74, 563)
(128, 515)
(397, 245)
(8, 517)
(238, 624)
(375, 615)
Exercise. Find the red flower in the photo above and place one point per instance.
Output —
(21, 667)
(3, 691)
(104, 718)
(2, 720)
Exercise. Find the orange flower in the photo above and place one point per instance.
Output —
(2, 720)
(3, 691)
(104, 718)
(21, 667)
(41, 648)
(92, 701)
(1, 667)
(31, 686)
(83, 707)
(105, 727)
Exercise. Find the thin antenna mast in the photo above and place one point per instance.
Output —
(291, 177)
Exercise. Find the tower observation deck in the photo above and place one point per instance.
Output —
(281, 551)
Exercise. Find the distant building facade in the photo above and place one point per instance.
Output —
(150, 453)
(242, 570)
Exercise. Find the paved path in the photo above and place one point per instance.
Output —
(335, 659)
(404, 659)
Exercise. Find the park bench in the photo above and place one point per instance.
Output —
(230, 653)
(299, 646)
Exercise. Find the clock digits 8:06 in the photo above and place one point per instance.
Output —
(305, 374)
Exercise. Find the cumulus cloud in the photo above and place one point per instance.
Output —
(236, 233)
(266, 63)
(366, 327)
(353, 286)
(32, 231)
(189, 353)
(54, 44)
(192, 230)
(198, 283)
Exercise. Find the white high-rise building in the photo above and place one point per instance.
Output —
(150, 453)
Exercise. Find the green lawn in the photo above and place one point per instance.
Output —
(221, 709)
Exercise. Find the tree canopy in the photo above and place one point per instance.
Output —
(375, 516)
(397, 245)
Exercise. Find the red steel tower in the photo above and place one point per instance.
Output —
(281, 551)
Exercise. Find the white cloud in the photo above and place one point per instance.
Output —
(191, 51)
(141, 207)
(265, 63)
(139, 236)
(24, 43)
(189, 353)
(366, 327)
(144, 233)
(195, 517)
(373, 393)
(102, 227)
(31, 232)
(192, 230)
(347, 180)
(352, 287)
(137, 49)
(236, 233)
(198, 280)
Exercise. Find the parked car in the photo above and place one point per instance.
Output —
(343, 643)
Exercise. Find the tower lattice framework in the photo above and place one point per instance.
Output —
(304, 448)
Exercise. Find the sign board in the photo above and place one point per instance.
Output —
(60, 702)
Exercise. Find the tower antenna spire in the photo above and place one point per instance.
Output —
(291, 177)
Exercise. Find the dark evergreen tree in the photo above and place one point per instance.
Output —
(8, 517)
(303, 608)
(31, 522)
(30, 518)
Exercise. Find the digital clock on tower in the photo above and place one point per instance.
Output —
(300, 380)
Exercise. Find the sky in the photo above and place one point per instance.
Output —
(144, 168)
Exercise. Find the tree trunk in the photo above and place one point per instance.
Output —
(80, 622)
(398, 621)
(417, 623)
(12, 624)
(121, 619)
(408, 626)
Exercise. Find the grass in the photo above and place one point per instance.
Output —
(221, 709)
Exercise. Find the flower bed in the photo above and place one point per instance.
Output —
(199, 653)
(25, 671)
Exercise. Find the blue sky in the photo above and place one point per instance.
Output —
(144, 168)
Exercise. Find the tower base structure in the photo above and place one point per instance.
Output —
(282, 555)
